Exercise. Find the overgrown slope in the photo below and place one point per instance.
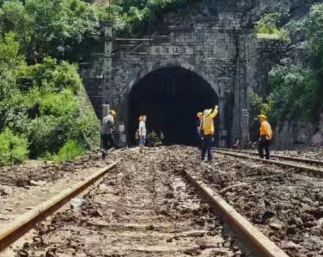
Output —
(42, 108)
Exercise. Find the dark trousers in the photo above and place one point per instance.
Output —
(264, 144)
(207, 147)
(200, 141)
(107, 143)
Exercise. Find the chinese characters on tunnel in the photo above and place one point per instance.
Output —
(170, 50)
(214, 50)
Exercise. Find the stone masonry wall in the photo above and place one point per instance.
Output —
(211, 42)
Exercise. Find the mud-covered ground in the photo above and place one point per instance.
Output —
(22, 187)
(25, 174)
(143, 207)
(315, 153)
(144, 204)
(286, 206)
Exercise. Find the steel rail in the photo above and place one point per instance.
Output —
(288, 158)
(247, 233)
(314, 170)
(24, 223)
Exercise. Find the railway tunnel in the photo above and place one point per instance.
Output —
(170, 97)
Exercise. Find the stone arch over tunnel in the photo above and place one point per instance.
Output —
(170, 97)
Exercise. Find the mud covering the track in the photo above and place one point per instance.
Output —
(314, 153)
(22, 187)
(23, 175)
(143, 207)
(284, 205)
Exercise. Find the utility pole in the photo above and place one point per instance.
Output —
(107, 67)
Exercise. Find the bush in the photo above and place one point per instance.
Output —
(269, 24)
(295, 92)
(69, 152)
(59, 104)
(45, 136)
(13, 149)
(51, 76)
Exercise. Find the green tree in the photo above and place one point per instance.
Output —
(295, 93)
(315, 27)
(14, 18)
(58, 26)
(10, 96)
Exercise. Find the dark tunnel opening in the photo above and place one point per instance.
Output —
(171, 98)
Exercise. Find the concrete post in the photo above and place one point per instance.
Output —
(105, 110)
(107, 64)
(245, 127)
(222, 130)
(244, 121)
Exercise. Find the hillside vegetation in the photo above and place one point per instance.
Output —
(296, 90)
(42, 113)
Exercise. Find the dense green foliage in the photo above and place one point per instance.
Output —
(68, 152)
(54, 27)
(139, 16)
(315, 28)
(65, 28)
(269, 24)
(13, 148)
(41, 103)
(297, 91)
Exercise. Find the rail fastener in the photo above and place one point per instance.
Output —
(20, 226)
(313, 170)
(248, 233)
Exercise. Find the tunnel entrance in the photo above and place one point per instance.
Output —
(170, 97)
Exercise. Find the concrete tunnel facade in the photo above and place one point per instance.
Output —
(222, 59)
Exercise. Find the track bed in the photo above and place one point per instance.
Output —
(284, 205)
(141, 208)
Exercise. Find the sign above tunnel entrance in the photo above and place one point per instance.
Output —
(171, 50)
(209, 50)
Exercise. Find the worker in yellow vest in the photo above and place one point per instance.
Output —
(207, 130)
(266, 135)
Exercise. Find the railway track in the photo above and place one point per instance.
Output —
(288, 158)
(139, 210)
(314, 167)
(13, 231)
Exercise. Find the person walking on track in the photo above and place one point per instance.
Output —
(142, 131)
(107, 129)
(207, 127)
(266, 135)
